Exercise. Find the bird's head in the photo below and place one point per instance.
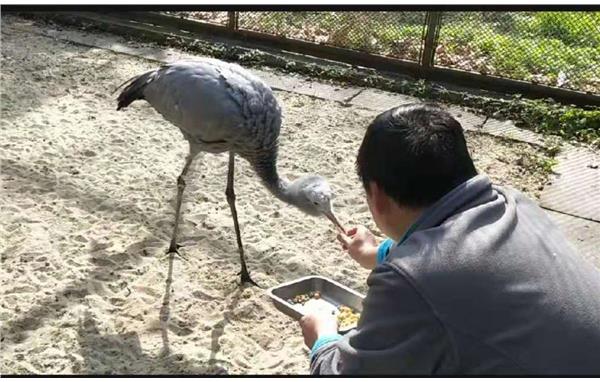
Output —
(312, 195)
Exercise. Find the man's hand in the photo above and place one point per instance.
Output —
(361, 245)
(315, 325)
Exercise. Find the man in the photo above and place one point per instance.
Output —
(476, 279)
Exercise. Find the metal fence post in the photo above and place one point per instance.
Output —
(232, 21)
(431, 34)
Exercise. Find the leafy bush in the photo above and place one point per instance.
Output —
(584, 124)
(552, 118)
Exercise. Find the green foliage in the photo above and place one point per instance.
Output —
(568, 27)
(549, 117)
(542, 47)
(583, 124)
(533, 46)
(546, 165)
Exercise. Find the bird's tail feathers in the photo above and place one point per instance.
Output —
(134, 89)
(124, 83)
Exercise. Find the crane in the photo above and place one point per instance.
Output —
(221, 107)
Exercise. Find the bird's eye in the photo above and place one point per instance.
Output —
(315, 203)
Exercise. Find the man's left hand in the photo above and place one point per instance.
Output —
(315, 325)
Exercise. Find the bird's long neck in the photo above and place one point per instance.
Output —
(265, 165)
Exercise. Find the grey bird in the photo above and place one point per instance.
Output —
(219, 107)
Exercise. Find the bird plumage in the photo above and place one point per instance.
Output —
(211, 101)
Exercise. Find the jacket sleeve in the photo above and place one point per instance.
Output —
(398, 333)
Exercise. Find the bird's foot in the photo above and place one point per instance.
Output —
(245, 278)
(172, 251)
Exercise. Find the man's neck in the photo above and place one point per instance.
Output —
(403, 219)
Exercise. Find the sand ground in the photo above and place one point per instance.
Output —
(87, 207)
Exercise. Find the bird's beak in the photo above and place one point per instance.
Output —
(334, 220)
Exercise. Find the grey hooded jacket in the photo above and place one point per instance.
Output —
(487, 284)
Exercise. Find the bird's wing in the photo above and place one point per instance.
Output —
(213, 100)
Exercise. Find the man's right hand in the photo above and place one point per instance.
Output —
(361, 245)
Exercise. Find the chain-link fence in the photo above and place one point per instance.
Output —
(560, 49)
(395, 34)
(551, 48)
(218, 18)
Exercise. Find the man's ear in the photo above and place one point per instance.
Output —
(380, 200)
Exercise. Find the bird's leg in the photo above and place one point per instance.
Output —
(180, 187)
(229, 192)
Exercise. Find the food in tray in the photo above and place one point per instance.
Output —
(302, 298)
(347, 318)
(312, 303)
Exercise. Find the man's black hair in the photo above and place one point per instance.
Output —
(416, 153)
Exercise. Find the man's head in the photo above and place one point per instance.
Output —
(410, 157)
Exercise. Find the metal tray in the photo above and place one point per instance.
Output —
(331, 291)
